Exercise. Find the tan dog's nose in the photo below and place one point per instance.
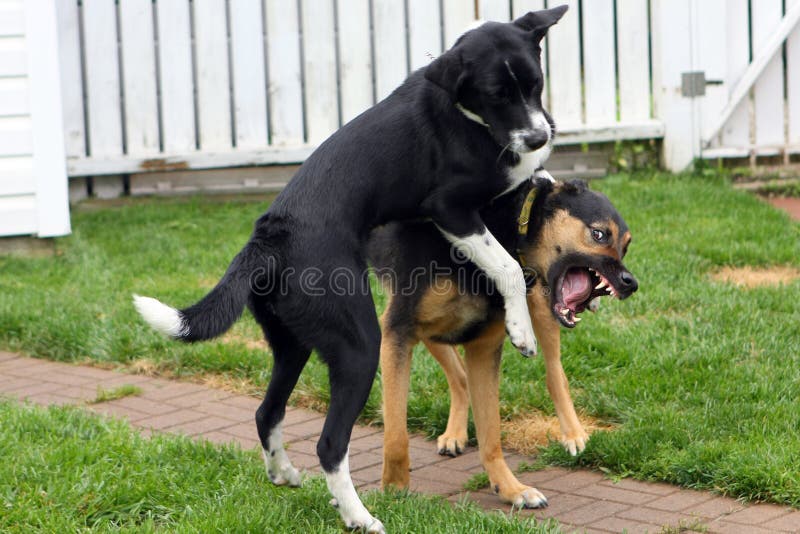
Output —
(629, 283)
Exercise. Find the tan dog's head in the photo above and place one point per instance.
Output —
(575, 243)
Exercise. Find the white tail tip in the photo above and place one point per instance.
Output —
(163, 318)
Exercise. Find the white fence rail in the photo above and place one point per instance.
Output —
(179, 84)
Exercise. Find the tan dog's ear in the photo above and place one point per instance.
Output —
(576, 186)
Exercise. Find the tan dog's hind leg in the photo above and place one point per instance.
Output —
(483, 376)
(395, 375)
(454, 439)
(573, 436)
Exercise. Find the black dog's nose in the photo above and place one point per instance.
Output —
(629, 281)
(535, 139)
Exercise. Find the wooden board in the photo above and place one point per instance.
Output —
(249, 75)
(212, 78)
(599, 78)
(102, 79)
(176, 77)
(69, 54)
(16, 176)
(793, 82)
(768, 90)
(319, 70)
(736, 132)
(14, 99)
(285, 89)
(458, 15)
(564, 67)
(355, 61)
(139, 76)
(633, 61)
(391, 49)
(496, 10)
(425, 36)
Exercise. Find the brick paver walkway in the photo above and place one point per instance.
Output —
(790, 205)
(580, 500)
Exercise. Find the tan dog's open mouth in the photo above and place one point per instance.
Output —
(576, 289)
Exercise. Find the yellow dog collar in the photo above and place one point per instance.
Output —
(525, 213)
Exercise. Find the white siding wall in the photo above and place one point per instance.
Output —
(33, 183)
(17, 184)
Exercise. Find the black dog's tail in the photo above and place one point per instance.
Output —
(215, 313)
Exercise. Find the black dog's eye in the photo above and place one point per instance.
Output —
(599, 235)
(501, 95)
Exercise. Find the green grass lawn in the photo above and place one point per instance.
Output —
(701, 378)
(75, 472)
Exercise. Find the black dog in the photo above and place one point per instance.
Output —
(455, 135)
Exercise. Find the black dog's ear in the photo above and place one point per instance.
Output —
(539, 22)
(447, 71)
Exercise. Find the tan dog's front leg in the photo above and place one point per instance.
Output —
(395, 375)
(573, 436)
(483, 375)
(454, 439)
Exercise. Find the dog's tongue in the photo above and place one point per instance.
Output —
(576, 288)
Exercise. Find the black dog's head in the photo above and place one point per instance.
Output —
(494, 75)
(576, 240)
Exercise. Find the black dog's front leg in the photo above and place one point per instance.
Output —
(468, 234)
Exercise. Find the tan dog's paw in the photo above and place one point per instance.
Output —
(575, 442)
(525, 497)
(449, 445)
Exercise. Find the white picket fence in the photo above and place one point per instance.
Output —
(175, 84)
(150, 85)
(766, 121)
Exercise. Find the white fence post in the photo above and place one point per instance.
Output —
(213, 75)
(768, 90)
(564, 69)
(672, 55)
(793, 80)
(139, 76)
(49, 160)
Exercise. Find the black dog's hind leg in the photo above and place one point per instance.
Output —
(352, 365)
(290, 358)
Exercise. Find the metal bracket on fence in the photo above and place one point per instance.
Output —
(694, 83)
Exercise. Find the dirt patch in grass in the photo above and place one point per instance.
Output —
(527, 433)
(148, 367)
(250, 343)
(750, 277)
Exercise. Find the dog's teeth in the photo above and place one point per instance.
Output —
(577, 320)
(601, 285)
(564, 312)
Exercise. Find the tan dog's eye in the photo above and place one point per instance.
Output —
(599, 235)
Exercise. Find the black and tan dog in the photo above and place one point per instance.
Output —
(571, 241)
